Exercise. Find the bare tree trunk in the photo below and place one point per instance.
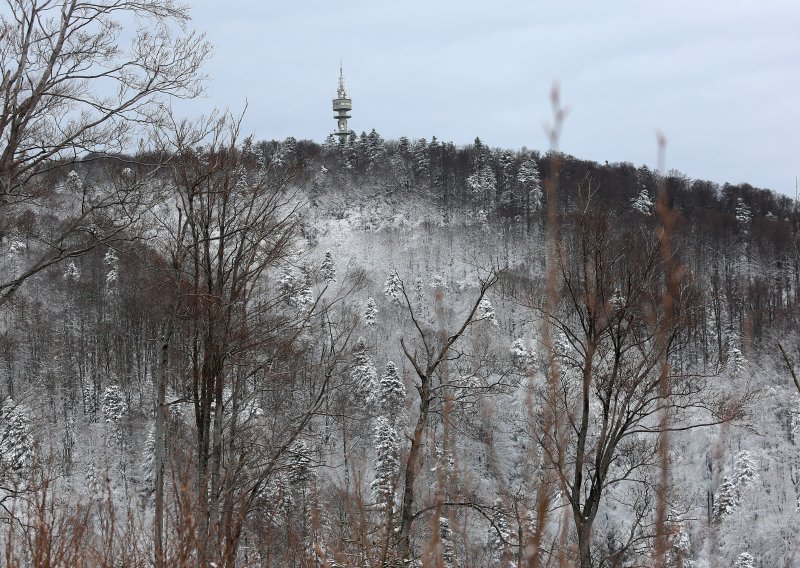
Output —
(160, 419)
(584, 542)
(412, 470)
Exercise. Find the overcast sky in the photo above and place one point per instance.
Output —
(721, 79)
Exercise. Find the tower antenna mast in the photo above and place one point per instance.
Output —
(342, 105)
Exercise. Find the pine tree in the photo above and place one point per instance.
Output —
(387, 462)
(370, 312)
(729, 494)
(111, 260)
(745, 560)
(300, 462)
(295, 288)
(16, 442)
(735, 363)
(363, 373)
(726, 500)
(147, 477)
(794, 420)
(482, 185)
(391, 392)
(680, 545)
(393, 288)
(114, 408)
(94, 483)
(643, 203)
(113, 404)
(328, 267)
(528, 177)
(521, 357)
(743, 215)
(72, 274)
(486, 312)
(446, 537)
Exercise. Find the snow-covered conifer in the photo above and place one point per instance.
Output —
(114, 408)
(147, 473)
(486, 312)
(16, 442)
(522, 358)
(745, 560)
(643, 203)
(679, 544)
(370, 312)
(328, 267)
(387, 463)
(446, 536)
(726, 499)
(72, 274)
(393, 288)
(363, 373)
(90, 400)
(735, 364)
(300, 462)
(528, 176)
(743, 214)
(483, 184)
(294, 288)
(391, 392)
(94, 482)
(794, 420)
(111, 260)
(744, 469)
(113, 404)
(729, 494)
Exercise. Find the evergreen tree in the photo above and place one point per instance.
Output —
(387, 462)
(729, 494)
(363, 374)
(114, 408)
(794, 420)
(147, 477)
(393, 288)
(735, 363)
(370, 312)
(522, 358)
(113, 404)
(328, 267)
(391, 392)
(486, 312)
(16, 442)
(643, 203)
(94, 482)
(446, 537)
(72, 274)
(482, 185)
(295, 288)
(300, 464)
(111, 260)
(745, 560)
(743, 215)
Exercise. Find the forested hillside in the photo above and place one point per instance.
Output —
(368, 351)
(221, 351)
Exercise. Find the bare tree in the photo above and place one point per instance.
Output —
(611, 336)
(429, 355)
(232, 224)
(68, 88)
